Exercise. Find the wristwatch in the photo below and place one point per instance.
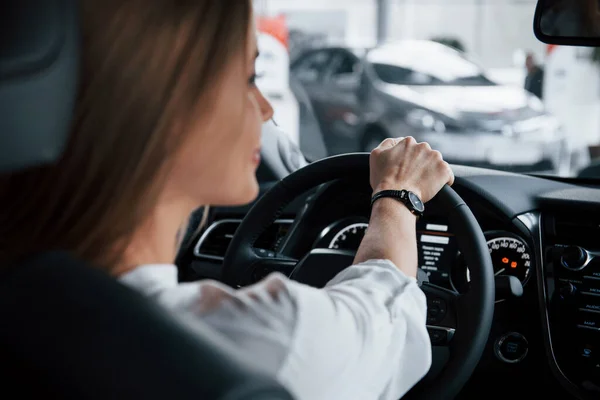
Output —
(409, 199)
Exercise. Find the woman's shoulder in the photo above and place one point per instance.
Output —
(160, 282)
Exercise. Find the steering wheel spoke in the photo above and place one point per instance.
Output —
(442, 307)
(321, 265)
(266, 262)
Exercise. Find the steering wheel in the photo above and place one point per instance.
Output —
(458, 324)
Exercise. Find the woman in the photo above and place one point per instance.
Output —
(168, 118)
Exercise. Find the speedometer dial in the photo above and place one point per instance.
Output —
(349, 238)
(510, 256)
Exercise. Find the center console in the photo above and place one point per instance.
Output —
(571, 251)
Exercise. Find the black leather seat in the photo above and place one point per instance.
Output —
(67, 330)
(71, 331)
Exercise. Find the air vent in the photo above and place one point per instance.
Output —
(573, 226)
(214, 242)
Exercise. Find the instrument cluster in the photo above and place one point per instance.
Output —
(439, 255)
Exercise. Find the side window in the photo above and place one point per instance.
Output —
(344, 64)
(312, 67)
(403, 76)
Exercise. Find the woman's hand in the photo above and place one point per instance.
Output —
(402, 163)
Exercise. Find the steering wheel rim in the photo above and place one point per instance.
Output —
(474, 309)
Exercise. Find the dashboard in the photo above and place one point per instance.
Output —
(544, 239)
(439, 255)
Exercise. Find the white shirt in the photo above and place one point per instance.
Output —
(362, 337)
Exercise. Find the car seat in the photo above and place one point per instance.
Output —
(69, 330)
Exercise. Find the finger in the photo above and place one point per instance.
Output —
(424, 148)
(403, 144)
(409, 140)
(437, 155)
(389, 143)
(386, 144)
(450, 175)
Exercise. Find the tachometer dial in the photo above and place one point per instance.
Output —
(349, 238)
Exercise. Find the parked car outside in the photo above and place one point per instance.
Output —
(436, 94)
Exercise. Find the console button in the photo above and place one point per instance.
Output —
(593, 277)
(589, 321)
(511, 348)
(566, 290)
(594, 289)
(574, 258)
(591, 308)
(589, 328)
(592, 295)
(588, 352)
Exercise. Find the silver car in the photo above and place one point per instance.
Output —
(436, 94)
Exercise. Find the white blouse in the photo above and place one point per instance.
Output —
(361, 337)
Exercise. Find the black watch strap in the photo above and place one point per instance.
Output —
(400, 195)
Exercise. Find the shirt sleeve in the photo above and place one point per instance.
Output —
(362, 337)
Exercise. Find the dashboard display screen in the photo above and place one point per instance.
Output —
(437, 249)
(436, 244)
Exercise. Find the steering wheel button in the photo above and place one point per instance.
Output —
(436, 302)
(434, 320)
(436, 310)
(442, 309)
(437, 336)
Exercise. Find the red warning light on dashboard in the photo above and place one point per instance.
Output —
(513, 264)
(505, 260)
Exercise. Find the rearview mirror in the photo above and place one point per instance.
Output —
(568, 22)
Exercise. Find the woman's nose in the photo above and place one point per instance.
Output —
(265, 107)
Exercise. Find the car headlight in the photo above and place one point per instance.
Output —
(424, 120)
(535, 104)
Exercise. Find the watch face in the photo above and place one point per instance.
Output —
(416, 202)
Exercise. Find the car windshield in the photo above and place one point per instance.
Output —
(468, 77)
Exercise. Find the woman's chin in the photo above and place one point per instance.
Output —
(243, 195)
(251, 195)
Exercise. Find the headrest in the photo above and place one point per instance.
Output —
(38, 80)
